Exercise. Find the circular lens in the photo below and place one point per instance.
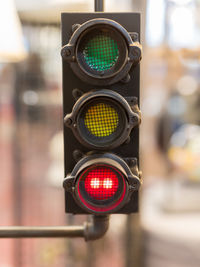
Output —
(101, 188)
(101, 52)
(101, 119)
(101, 183)
(101, 122)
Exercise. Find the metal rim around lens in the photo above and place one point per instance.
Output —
(128, 118)
(102, 52)
(100, 206)
(108, 160)
(102, 131)
(71, 52)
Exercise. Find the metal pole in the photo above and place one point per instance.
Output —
(28, 231)
(90, 231)
(99, 5)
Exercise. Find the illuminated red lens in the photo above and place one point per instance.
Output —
(101, 183)
(101, 188)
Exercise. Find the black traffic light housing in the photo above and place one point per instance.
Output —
(120, 85)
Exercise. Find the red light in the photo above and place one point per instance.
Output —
(101, 188)
(95, 183)
(107, 183)
(101, 183)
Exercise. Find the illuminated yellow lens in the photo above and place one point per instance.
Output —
(101, 119)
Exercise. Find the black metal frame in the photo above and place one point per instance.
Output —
(131, 120)
(132, 56)
(132, 179)
(73, 88)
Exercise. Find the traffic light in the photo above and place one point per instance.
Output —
(101, 54)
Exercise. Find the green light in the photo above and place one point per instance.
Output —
(101, 52)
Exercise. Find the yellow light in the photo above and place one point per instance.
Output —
(101, 119)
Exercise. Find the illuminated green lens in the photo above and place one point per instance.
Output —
(101, 52)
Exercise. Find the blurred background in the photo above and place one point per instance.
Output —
(166, 232)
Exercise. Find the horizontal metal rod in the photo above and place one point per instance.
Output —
(92, 230)
(41, 231)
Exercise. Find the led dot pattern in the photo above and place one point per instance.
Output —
(101, 52)
(101, 183)
(101, 119)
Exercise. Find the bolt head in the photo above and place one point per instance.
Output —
(134, 119)
(67, 52)
(68, 121)
(136, 52)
